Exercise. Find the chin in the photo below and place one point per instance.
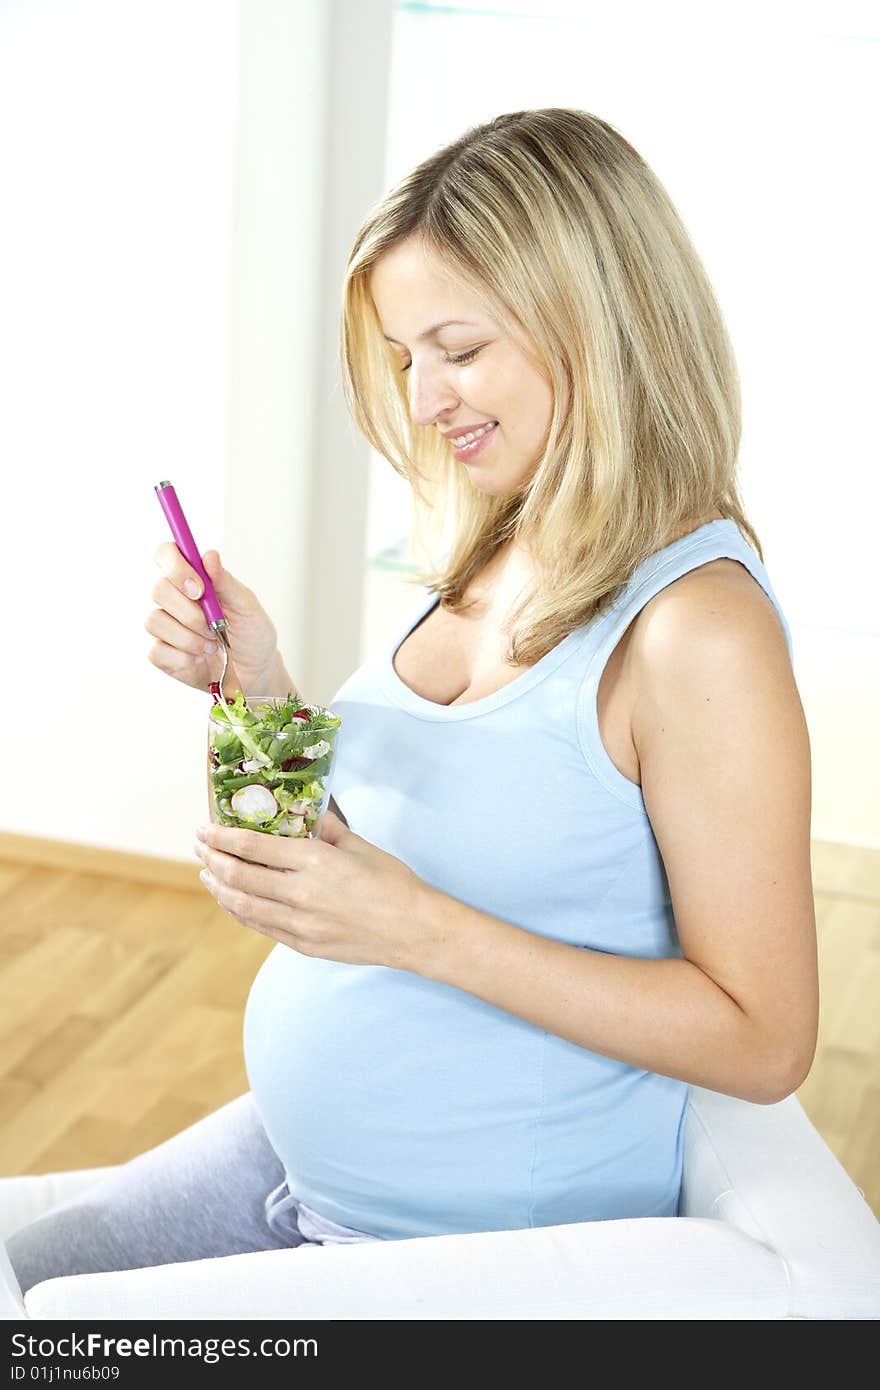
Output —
(487, 481)
(491, 489)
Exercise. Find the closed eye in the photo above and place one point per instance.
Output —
(457, 361)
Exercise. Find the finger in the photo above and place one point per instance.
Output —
(264, 915)
(276, 851)
(331, 829)
(179, 665)
(170, 561)
(167, 594)
(256, 880)
(176, 634)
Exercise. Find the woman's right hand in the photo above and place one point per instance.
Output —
(181, 628)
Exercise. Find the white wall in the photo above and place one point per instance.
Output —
(356, 143)
(273, 285)
(117, 131)
(163, 174)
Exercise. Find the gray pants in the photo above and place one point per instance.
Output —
(216, 1188)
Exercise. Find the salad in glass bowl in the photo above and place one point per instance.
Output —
(270, 762)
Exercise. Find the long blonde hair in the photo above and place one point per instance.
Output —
(559, 228)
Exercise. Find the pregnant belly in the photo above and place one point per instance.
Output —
(403, 1107)
(387, 1097)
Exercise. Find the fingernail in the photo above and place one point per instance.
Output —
(192, 588)
(209, 648)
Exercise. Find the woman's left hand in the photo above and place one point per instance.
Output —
(338, 896)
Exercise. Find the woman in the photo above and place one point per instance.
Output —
(575, 875)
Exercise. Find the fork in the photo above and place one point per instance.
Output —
(210, 604)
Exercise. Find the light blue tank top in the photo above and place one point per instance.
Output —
(400, 1106)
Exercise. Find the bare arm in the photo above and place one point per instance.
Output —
(726, 778)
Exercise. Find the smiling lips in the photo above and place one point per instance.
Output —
(460, 440)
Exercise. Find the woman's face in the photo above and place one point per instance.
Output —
(496, 381)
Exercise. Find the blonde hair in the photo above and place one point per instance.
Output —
(562, 232)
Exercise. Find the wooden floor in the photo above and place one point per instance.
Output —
(121, 1004)
(121, 1015)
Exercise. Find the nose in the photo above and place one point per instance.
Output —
(430, 394)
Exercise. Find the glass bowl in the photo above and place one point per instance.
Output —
(270, 764)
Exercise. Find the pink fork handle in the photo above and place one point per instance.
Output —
(183, 536)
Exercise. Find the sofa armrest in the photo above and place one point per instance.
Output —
(28, 1195)
(11, 1301)
(22, 1199)
(644, 1268)
(766, 1170)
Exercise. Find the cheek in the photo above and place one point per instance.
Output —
(501, 397)
(528, 414)
(544, 408)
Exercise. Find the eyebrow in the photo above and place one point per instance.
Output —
(431, 332)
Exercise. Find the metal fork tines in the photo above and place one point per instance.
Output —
(220, 629)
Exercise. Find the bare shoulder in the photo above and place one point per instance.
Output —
(715, 696)
(716, 612)
(722, 581)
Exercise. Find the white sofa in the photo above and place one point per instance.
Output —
(770, 1227)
